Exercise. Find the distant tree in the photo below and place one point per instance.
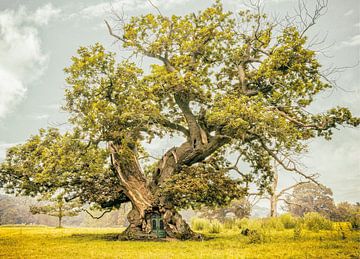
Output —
(223, 81)
(59, 208)
(346, 211)
(14, 211)
(274, 195)
(238, 208)
(310, 197)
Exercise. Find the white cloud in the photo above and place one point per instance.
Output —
(350, 12)
(354, 41)
(21, 57)
(41, 116)
(105, 8)
(44, 14)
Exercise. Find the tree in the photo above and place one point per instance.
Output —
(239, 208)
(275, 195)
(14, 211)
(310, 197)
(220, 81)
(59, 208)
(346, 211)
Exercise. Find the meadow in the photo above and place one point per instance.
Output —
(271, 240)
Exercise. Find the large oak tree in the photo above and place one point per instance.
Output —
(224, 82)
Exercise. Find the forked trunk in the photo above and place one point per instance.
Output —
(146, 204)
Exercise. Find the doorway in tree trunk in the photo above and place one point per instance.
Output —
(157, 223)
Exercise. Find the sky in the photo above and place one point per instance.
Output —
(38, 37)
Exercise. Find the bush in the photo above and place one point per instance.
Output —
(298, 228)
(288, 220)
(199, 224)
(230, 224)
(248, 223)
(215, 226)
(315, 222)
(355, 221)
(257, 236)
(272, 223)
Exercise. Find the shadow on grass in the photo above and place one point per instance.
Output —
(85, 237)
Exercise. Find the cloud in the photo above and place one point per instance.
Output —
(21, 57)
(354, 41)
(39, 116)
(350, 12)
(44, 14)
(105, 8)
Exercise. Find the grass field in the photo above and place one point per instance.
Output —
(46, 242)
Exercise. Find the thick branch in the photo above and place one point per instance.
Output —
(99, 217)
(197, 134)
(174, 126)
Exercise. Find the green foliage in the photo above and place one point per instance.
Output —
(259, 236)
(315, 222)
(346, 211)
(238, 209)
(230, 224)
(298, 230)
(241, 81)
(215, 226)
(211, 226)
(310, 197)
(49, 162)
(59, 207)
(273, 223)
(288, 220)
(249, 224)
(201, 184)
(198, 224)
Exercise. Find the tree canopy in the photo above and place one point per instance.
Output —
(226, 82)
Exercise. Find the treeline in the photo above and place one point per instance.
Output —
(304, 199)
(16, 210)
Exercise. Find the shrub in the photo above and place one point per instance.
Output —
(288, 220)
(215, 226)
(199, 224)
(355, 221)
(248, 223)
(257, 236)
(298, 228)
(315, 222)
(272, 223)
(230, 224)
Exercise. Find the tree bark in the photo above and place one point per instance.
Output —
(273, 196)
(144, 199)
(60, 218)
(273, 205)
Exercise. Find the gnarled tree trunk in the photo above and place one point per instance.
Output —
(144, 199)
(145, 196)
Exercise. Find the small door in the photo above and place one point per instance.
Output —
(158, 226)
